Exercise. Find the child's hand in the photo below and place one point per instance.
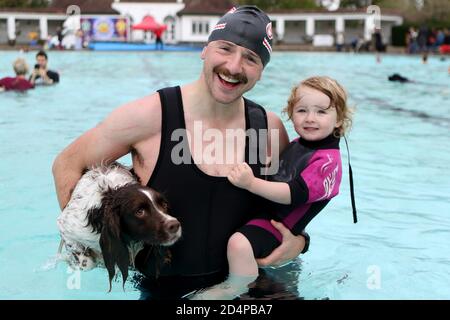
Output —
(241, 176)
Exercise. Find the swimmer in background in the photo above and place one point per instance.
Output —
(19, 83)
(398, 78)
(41, 74)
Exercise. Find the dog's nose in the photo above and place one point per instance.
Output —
(172, 226)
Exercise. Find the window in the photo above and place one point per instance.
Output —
(170, 32)
(200, 27)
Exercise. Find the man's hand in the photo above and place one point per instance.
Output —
(288, 250)
(43, 73)
(241, 176)
(34, 75)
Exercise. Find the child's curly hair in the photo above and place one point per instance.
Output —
(338, 100)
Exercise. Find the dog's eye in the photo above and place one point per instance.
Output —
(140, 213)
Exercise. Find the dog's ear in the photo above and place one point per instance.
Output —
(114, 248)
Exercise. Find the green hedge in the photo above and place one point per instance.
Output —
(280, 4)
(399, 35)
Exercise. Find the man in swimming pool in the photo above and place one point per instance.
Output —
(41, 74)
(208, 206)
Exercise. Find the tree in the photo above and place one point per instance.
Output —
(23, 3)
(420, 12)
(280, 4)
(437, 10)
(356, 3)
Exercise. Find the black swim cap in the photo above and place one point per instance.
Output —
(248, 27)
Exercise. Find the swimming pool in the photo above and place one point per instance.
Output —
(400, 150)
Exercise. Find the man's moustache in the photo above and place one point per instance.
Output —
(241, 77)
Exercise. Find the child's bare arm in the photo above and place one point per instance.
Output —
(242, 176)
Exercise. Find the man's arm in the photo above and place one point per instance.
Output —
(289, 249)
(33, 77)
(47, 80)
(108, 141)
(276, 128)
(53, 75)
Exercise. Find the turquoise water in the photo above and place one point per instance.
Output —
(400, 150)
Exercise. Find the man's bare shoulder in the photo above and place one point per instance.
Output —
(143, 109)
(274, 121)
(142, 115)
(276, 125)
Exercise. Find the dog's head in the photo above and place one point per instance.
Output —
(132, 213)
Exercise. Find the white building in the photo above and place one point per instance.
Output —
(187, 21)
(190, 21)
(300, 26)
(17, 23)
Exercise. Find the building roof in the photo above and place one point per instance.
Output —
(60, 7)
(32, 10)
(214, 7)
(325, 11)
(151, 1)
(193, 7)
(86, 6)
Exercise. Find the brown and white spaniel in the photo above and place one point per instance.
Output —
(109, 218)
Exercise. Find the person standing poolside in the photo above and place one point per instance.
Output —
(41, 74)
(309, 176)
(159, 44)
(19, 83)
(378, 44)
(165, 133)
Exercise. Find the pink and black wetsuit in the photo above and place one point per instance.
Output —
(313, 171)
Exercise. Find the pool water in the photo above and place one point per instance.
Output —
(399, 147)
